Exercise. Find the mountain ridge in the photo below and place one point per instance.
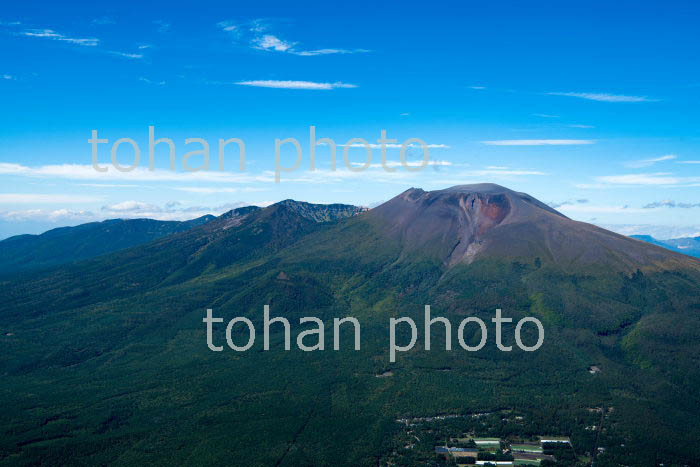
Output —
(67, 244)
(686, 245)
(107, 358)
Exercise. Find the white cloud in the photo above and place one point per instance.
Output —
(648, 162)
(492, 171)
(313, 53)
(256, 34)
(140, 174)
(603, 97)
(126, 54)
(270, 42)
(47, 215)
(660, 232)
(646, 179)
(228, 26)
(103, 21)
(171, 211)
(593, 209)
(390, 145)
(211, 190)
(557, 205)
(374, 174)
(545, 116)
(107, 185)
(408, 163)
(489, 174)
(130, 206)
(312, 85)
(86, 42)
(163, 26)
(53, 35)
(688, 162)
(148, 81)
(26, 198)
(538, 142)
(8, 77)
(577, 125)
(477, 88)
(669, 203)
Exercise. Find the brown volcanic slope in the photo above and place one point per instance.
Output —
(466, 222)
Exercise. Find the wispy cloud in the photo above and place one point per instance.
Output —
(578, 125)
(94, 42)
(688, 162)
(661, 232)
(488, 174)
(603, 97)
(597, 209)
(671, 204)
(545, 115)
(313, 53)
(556, 205)
(477, 88)
(8, 77)
(212, 190)
(538, 142)
(130, 206)
(170, 211)
(650, 162)
(502, 172)
(140, 174)
(228, 26)
(108, 185)
(257, 34)
(148, 81)
(53, 35)
(645, 179)
(407, 163)
(126, 54)
(390, 145)
(51, 215)
(270, 42)
(103, 21)
(288, 84)
(162, 26)
(26, 198)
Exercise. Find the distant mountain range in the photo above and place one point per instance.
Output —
(687, 245)
(68, 244)
(105, 360)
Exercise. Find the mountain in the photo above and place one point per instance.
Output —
(106, 360)
(68, 244)
(686, 245)
(463, 223)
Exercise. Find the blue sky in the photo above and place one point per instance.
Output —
(589, 106)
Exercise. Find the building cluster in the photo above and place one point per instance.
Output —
(498, 452)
